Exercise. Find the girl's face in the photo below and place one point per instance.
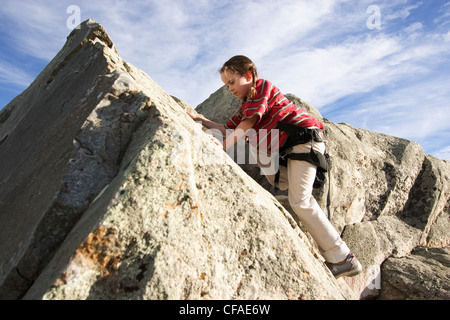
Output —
(238, 85)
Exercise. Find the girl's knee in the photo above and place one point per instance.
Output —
(305, 203)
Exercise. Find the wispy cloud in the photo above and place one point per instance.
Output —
(418, 111)
(400, 12)
(34, 27)
(443, 153)
(14, 75)
(444, 15)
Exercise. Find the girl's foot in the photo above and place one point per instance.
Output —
(350, 267)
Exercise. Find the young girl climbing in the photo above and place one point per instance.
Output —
(265, 107)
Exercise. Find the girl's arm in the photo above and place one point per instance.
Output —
(208, 123)
(235, 136)
(239, 132)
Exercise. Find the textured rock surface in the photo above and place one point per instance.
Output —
(387, 196)
(425, 274)
(110, 191)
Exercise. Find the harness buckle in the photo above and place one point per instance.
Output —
(283, 154)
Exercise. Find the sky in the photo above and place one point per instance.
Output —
(378, 65)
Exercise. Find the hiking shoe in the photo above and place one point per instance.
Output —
(350, 268)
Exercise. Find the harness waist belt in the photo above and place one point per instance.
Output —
(300, 135)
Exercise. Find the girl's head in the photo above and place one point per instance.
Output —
(240, 75)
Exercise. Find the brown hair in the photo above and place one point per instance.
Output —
(241, 65)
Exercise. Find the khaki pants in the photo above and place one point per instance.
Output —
(298, 178)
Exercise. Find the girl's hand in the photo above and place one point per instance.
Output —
(206, 122)
(196, 117)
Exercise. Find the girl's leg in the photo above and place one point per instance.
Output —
(301, 175)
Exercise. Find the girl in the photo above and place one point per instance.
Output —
(262, 108)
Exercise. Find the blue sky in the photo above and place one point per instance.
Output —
(379, 65)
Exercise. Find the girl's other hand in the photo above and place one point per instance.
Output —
(196, 117)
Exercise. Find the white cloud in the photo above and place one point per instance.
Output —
(443, 18)
(443, 153)
(323, 75)
(14, 75)
(416, 112)
(447, 37)
(400, 12)
(34, 27)
(414, 29)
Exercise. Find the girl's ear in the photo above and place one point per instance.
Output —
(249, 75)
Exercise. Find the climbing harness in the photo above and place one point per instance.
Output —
(299, 135)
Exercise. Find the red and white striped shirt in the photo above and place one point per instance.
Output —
(270, 106)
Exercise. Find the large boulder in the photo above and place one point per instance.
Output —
(110, 191)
